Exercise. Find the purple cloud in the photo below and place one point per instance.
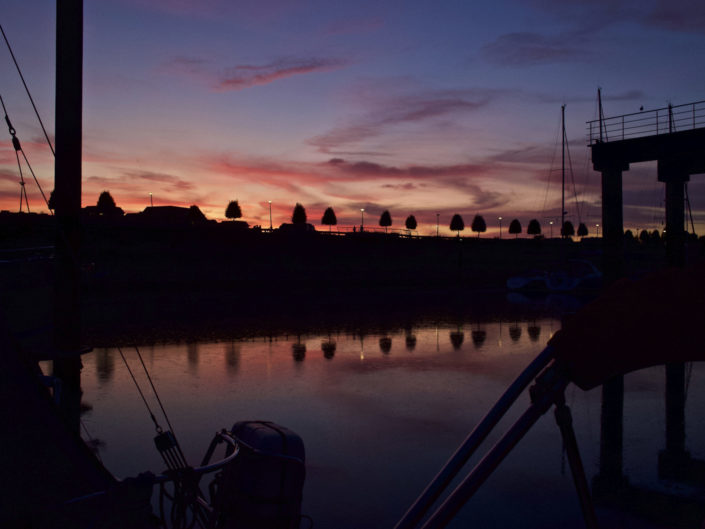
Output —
(522, 49)
(392, 111)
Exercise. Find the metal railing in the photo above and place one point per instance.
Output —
(647, 123)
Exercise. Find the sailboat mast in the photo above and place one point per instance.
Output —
(562, 169)
(67, 192)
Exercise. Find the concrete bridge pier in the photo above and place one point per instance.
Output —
(675, 178)
(672, 459)
(610, 476)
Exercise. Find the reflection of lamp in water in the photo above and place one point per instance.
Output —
(270, 215)
(362, 347)
(362, 218)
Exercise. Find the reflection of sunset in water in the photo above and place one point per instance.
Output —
(379, 412)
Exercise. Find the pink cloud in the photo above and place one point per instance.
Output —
(247, 75)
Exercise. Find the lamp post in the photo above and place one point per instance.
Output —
(550, 223)
(362, 219)
(597, 227)
(500, 226)
(151, 201)
(438, 218)
(270, 215)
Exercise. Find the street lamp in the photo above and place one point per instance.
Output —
(270, 215)
(500, 226)
(597, 227)
(362, 219)
(550, 223)
(438, 217)
(151, 202)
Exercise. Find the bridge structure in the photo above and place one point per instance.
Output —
(674, 137)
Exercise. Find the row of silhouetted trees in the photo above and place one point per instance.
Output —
(457, 224)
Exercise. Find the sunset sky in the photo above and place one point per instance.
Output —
(419, 107)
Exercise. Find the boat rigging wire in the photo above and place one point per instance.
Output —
(151, 415)
(18, 149)
(19, 71)
(156, 394)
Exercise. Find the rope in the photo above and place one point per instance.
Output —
(19, 71)
(154, 420)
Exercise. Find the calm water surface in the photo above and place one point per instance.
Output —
(379, 416)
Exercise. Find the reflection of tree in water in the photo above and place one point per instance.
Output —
(515, 332)
(298, 350)
(104, 364)
(410, 342)
(232, 356)
(534, 332)
(328, 348)
(192, 352)
(385, 344)
(478, 337)
(457, 338)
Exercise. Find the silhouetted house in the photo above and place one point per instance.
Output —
(297, 228)
(172, 216)
(92, 212)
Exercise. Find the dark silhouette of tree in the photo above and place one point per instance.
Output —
(515, 228)
(534, 332)
(410, 223)
(629, 236)
(478, 337)
(299, 214)
(385, 220)
(644, 236)
(515, 332)
(478, 225)
(456, 339)
(328, 349)
(410, 342)
(567, 230)
(534, 228)
(298, 351)
(52, 201)
(329, 218)
(655, 236)
(233, 210)
(457, 224)
(106, 203)
(582, 230)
